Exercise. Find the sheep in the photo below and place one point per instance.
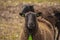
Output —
(43, 22)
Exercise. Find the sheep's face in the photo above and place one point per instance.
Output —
(30, 20)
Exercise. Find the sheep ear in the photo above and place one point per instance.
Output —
(22, 14)
(38, 14)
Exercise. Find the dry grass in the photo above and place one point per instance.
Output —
(16, 2)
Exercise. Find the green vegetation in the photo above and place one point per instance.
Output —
(30, 37)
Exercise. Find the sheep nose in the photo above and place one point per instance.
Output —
(31, 26)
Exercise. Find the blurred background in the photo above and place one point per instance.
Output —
(16, 2)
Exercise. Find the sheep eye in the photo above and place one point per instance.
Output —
(21, 14)
(38, 14)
